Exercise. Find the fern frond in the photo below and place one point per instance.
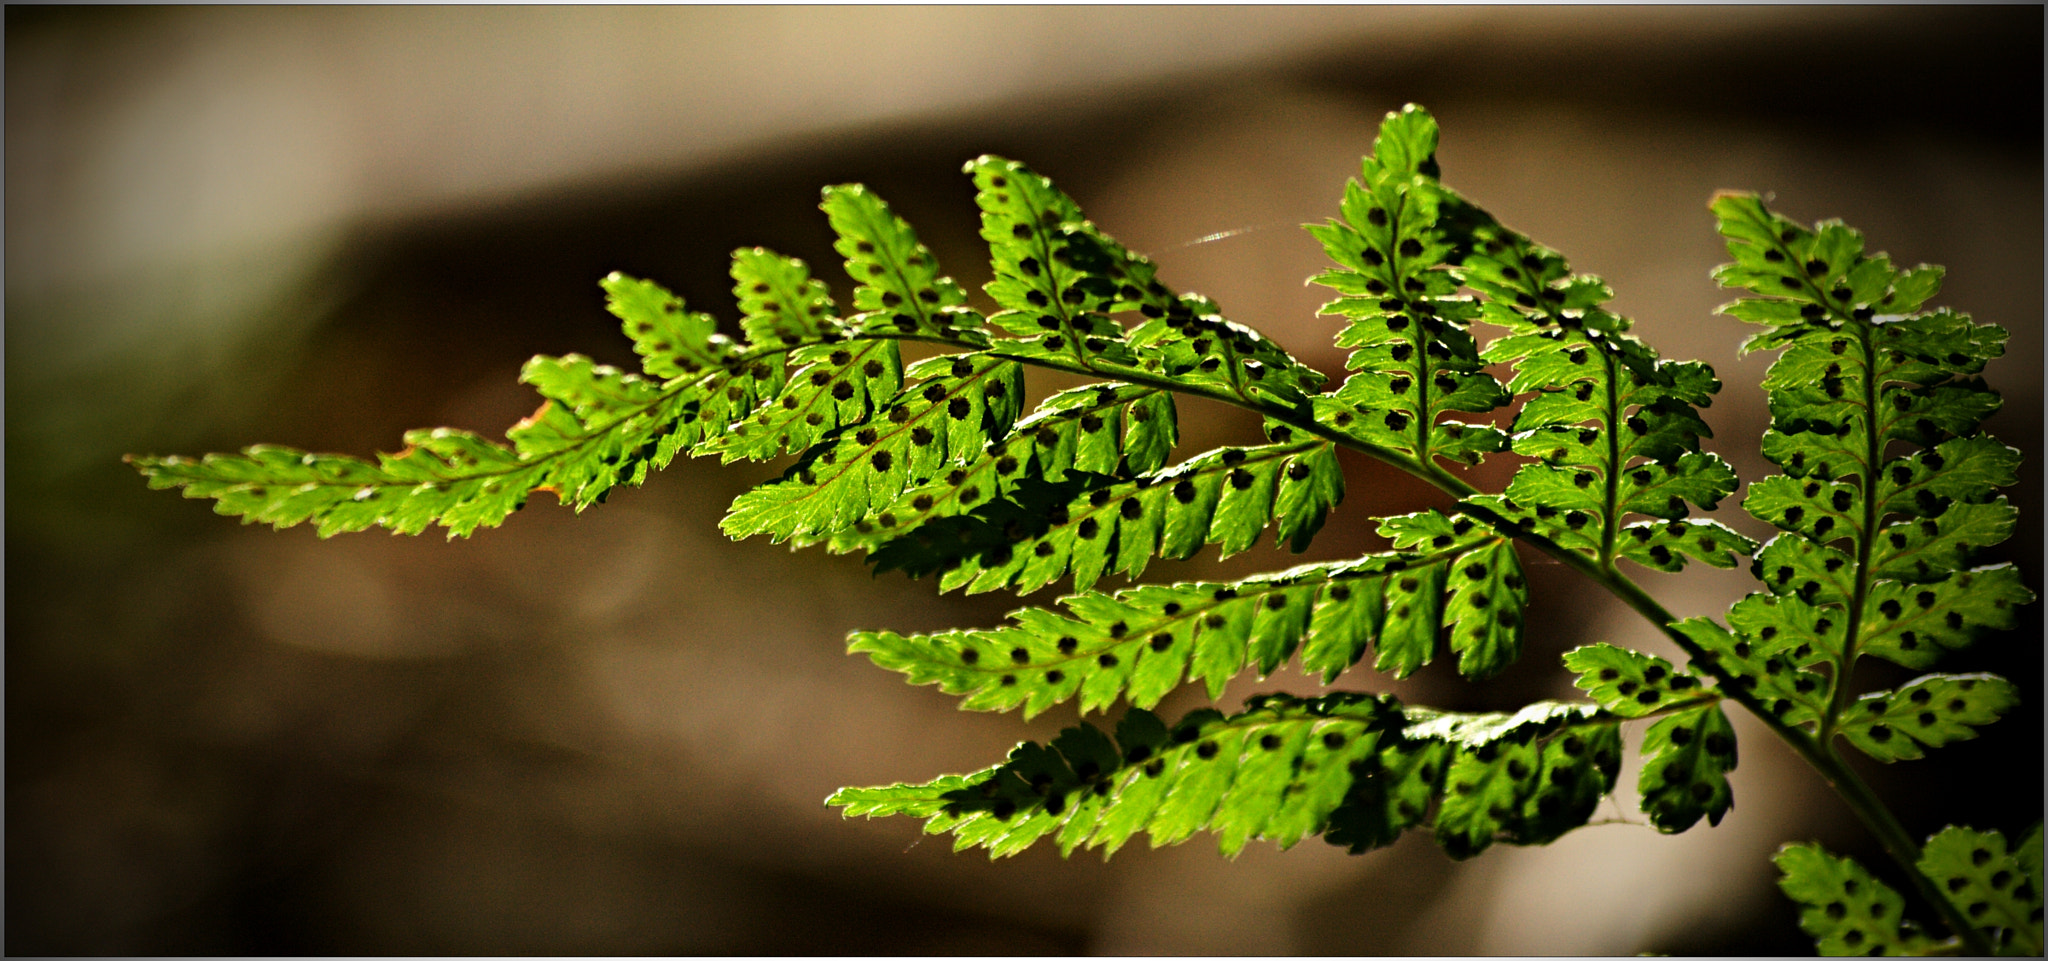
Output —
(1629, 683)
(1284, 768)
(1686, 760)
(1930, 710)
(1197, 347)
(1522, 778)
(1874, 554)
(1612, 426)
(1844, 908)
(1999, 891)
(1116, 430)
(1850, 912)
(443, 475)
(599, 428)
(1415, 358)
(900, 288)
(1056, 276)
(943, 420)
(1769, 671)
(1139, 643)
(1091, 524)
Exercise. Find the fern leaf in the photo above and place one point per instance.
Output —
(944, 420)
(1140, 643)
(779, 302)
(1056, 276)
(446, 476)
(1092, 524)
(1059, 278)
(1390, 793)
(1931, 710)
(1524, 778)
(1629, 683)
(1875, 551)
(1112, 430)
(1768, 667)
(1845, 909)
(1281, 770)
(599, 428)
(1612, 426)
(1197, 347)
(830, 386)
(1273, 772)
(1414, 359)
(901, 289)
(671, 340)
(1998, 891)
(1686, 760)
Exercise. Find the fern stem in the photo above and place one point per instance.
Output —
(1873, 452)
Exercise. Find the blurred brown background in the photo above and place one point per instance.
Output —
(612, 733)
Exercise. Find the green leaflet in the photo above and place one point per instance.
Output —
(433, 480)
(1281, 770)
(1140, 643)
(1849, 912)
(1091, 524)
(1056, 276)
(1686, 760)
(1631, 684)
(1483, 600)
(1523, 778)
(1844, 908)
(828, 387)
(1193, 344)
(1612, 426)
(1415, 359)
(1931, 710)
(598, 428)
(828, 384)
(1059, 278)
(901, 289)
(672, 340)
(1765, 668)
(1112, 430)
(1274, 772)
(944, 420)
(1999, 892)
(1877, 541)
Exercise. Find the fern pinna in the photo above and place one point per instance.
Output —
(937, 468)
